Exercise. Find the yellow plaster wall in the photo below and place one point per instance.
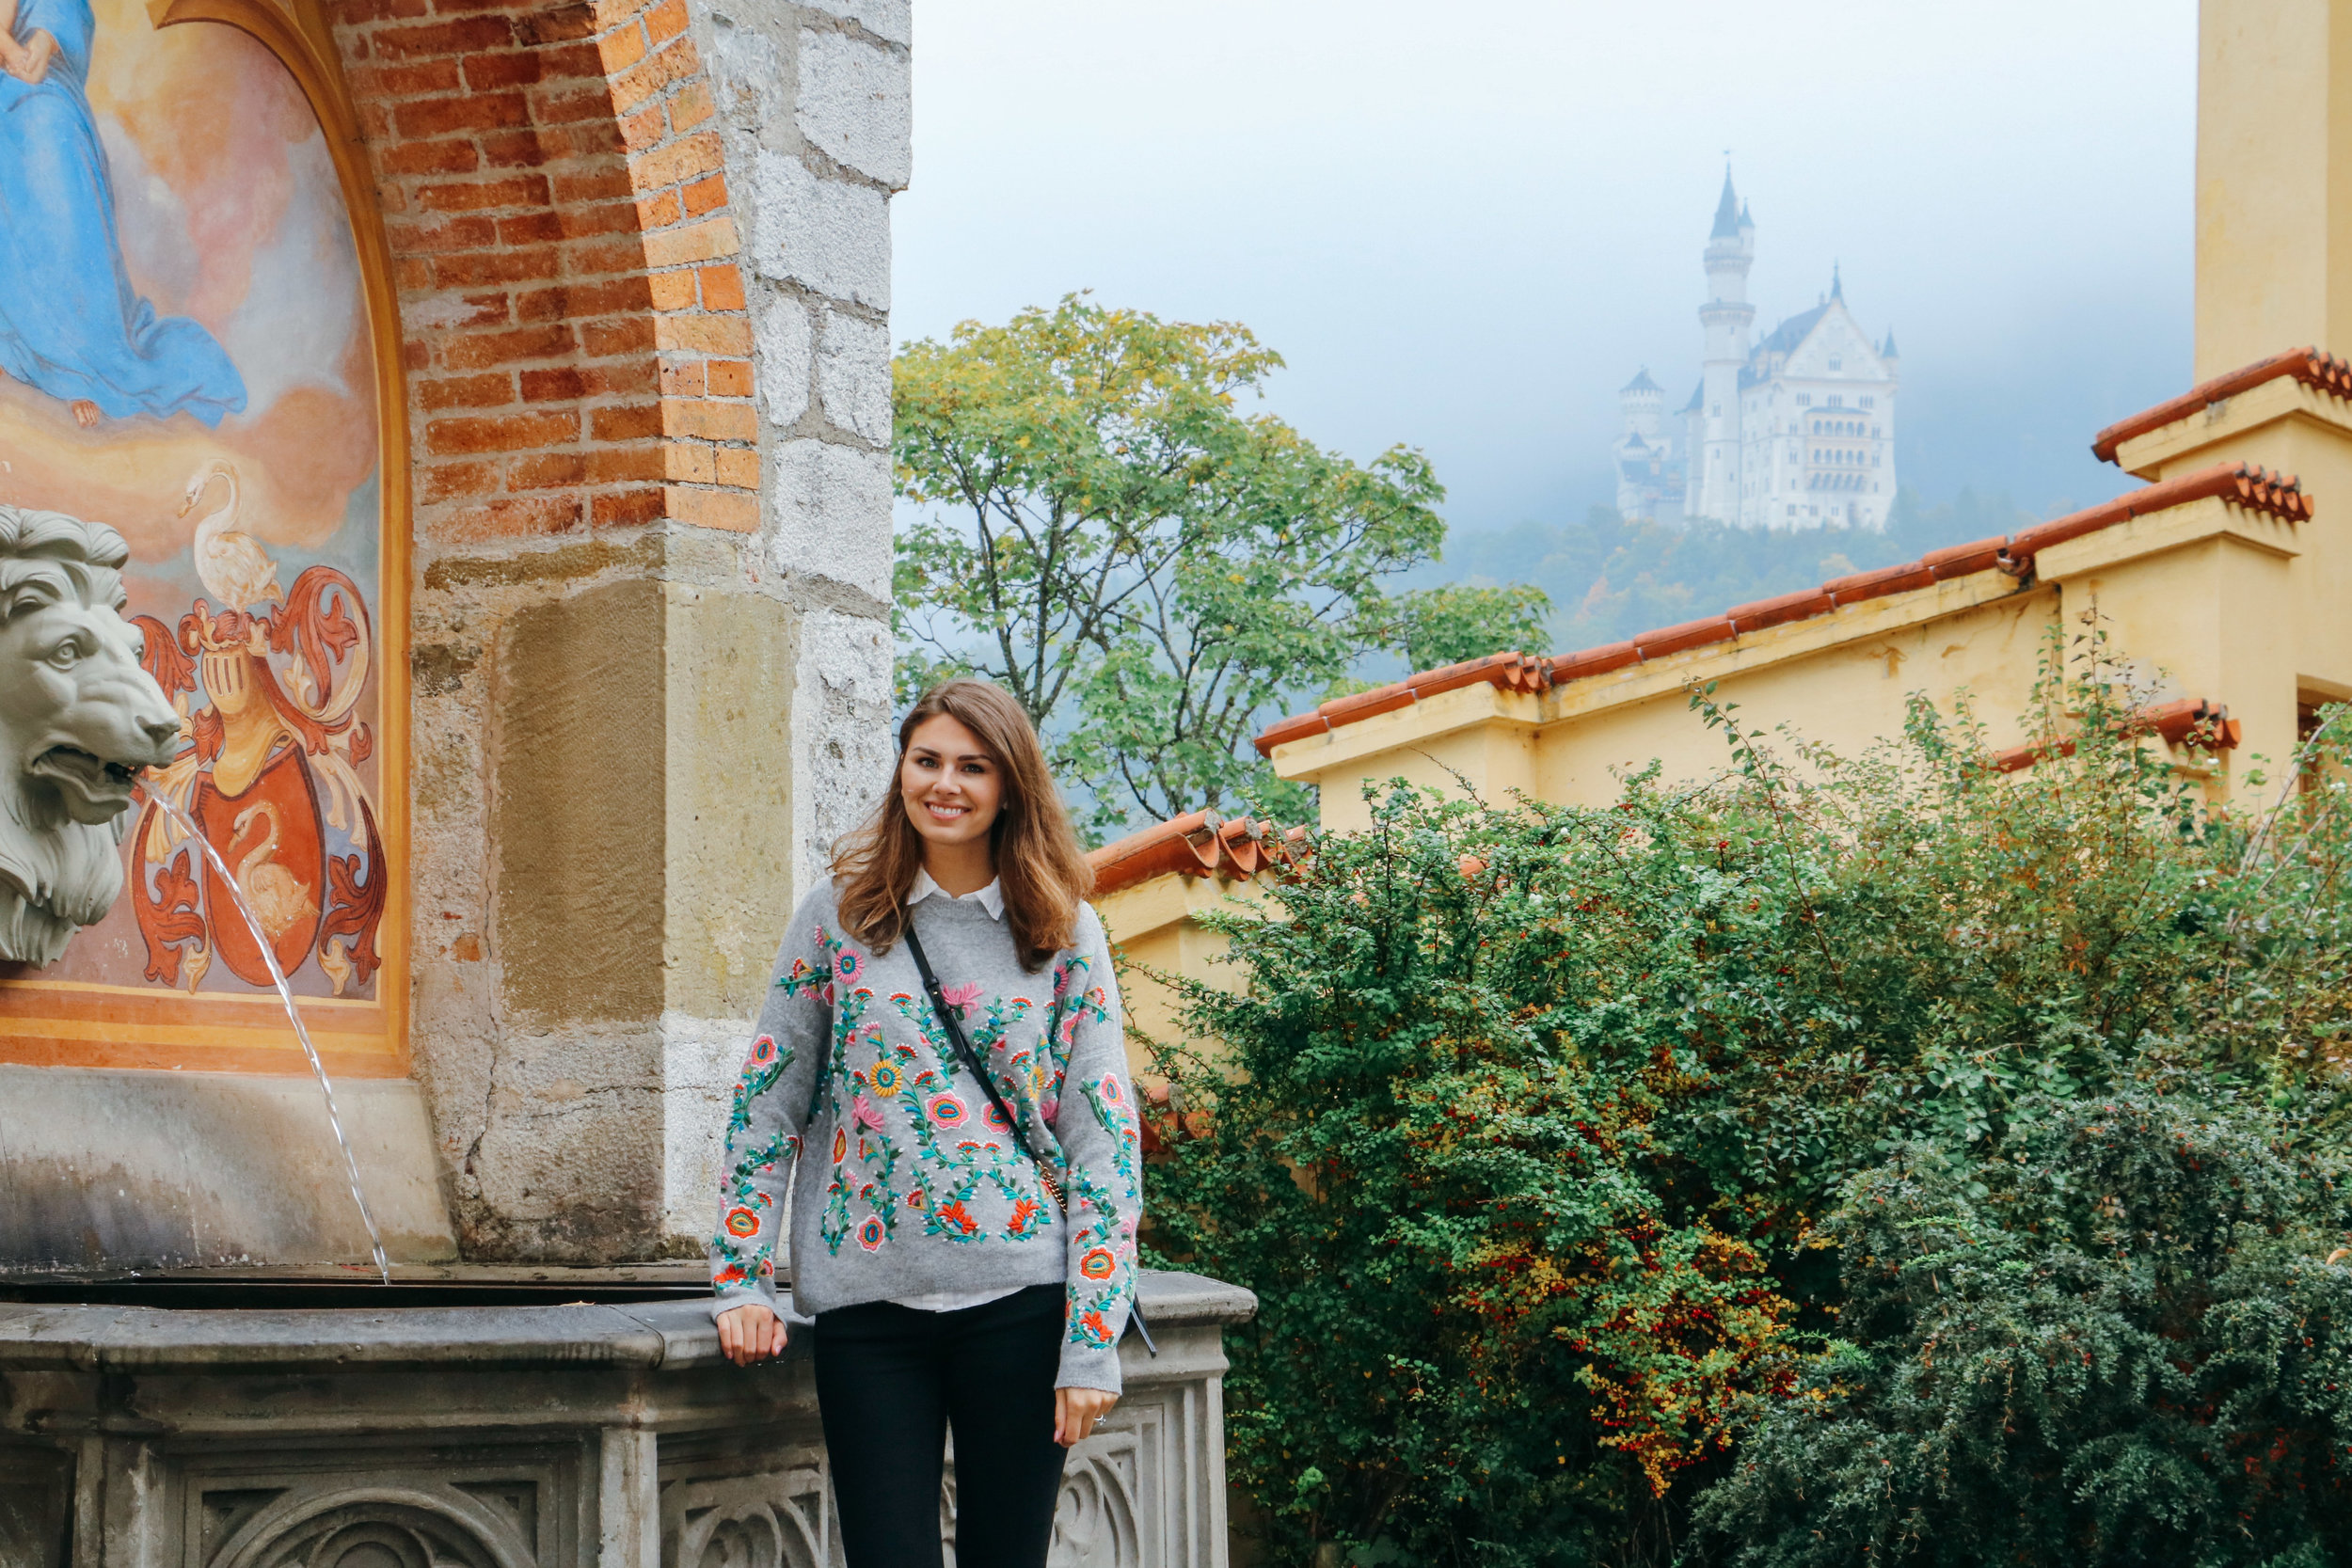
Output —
(1153, 928)
(2289, 427)
(1847, 694)
(2274, 166)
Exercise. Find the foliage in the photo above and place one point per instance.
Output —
(2122, 1340)
(1427, 628)
(1716, 1146)
(1151, 572)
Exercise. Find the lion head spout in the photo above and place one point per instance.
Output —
(79, 715)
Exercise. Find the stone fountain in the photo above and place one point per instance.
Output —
(485, 571)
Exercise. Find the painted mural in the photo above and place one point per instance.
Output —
(186, 352)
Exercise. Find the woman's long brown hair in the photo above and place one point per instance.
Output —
(1038, 864)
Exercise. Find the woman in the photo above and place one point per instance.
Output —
(949, 1287)
(70, 324)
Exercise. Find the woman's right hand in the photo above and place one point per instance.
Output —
(750, 1334)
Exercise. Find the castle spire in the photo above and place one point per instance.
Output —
(1836, 286)
(1726, 211)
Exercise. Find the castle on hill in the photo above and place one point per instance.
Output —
(1797, 431)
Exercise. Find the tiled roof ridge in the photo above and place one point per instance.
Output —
(2312, 366)
(2199, 719)
(2243, 485)
(1197, 844)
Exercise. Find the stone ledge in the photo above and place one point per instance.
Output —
(640, 1334)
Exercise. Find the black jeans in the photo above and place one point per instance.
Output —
(892, 1380)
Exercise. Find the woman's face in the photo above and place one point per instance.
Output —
(950, 785)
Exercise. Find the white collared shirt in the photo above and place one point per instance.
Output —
(991, 898)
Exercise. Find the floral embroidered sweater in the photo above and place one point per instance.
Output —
(909, 1182)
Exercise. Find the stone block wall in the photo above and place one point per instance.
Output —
(643, 255)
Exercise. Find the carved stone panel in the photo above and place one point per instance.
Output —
(777, 1517)
(468, 1509)
(36, 1508)
(1095, 1525)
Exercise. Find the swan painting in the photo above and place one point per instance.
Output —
(230, 564)
(276, 898)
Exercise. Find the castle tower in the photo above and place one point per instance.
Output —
(1725, 316)
(1640, 454)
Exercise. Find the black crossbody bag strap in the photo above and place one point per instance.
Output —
(971, 1060)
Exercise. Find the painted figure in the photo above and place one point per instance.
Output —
(71, 324)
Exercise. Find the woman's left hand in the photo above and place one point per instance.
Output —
(1077, 1412)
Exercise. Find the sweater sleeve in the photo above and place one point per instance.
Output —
(1093, 1117)
(767, 1119)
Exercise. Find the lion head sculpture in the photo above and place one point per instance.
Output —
(79, 715)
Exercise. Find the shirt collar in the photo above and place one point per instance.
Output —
(990, 897)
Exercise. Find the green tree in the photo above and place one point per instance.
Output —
(1153, 572)
(1432, 626)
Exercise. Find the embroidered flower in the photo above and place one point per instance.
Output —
(840, 1145)
(959, 1216)
(1046, 1109)
(915, 1199)
(962, 996)
(742, 1224)
(763, 1052)
(1025, 1215)
(886, 1079)
(996, 1119)
(845, 964)
(1112, 1092)
(767, 1268)
(731, 1274)
(871, 1233)
(867, 1113)
(948, 1111)
(1097, 1331)
(1099, 1264)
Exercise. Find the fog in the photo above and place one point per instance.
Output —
(1465, 227)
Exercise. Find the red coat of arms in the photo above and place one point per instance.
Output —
(270, 775)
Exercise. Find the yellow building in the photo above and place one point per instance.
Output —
(2218, 580)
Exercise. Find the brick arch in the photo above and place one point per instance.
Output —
(574, 330)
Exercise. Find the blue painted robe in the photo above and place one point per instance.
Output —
(70, 322)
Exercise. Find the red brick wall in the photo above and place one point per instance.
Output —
(577, 347)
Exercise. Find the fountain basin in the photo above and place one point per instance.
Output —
(554, 1436)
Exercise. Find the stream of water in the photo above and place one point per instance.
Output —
(285, 994)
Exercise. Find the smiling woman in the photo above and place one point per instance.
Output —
(972, 1140)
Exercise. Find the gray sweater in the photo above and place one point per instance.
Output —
(908, 1182)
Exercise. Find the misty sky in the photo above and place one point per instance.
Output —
(1465, 227)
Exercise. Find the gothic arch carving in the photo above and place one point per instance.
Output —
(426, 1525)
(748, 1522)
(1094, 1518)
(1094, 1522)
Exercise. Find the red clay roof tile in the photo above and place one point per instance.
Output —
(1593, 661)
(2241, 484)
(1363, 704)
(2190, 720)
(1690, 634)
(1803, 603)
(2309, 366)
(1959, 561)
(1197, 843)
(1296, 728)
(1878, 584)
